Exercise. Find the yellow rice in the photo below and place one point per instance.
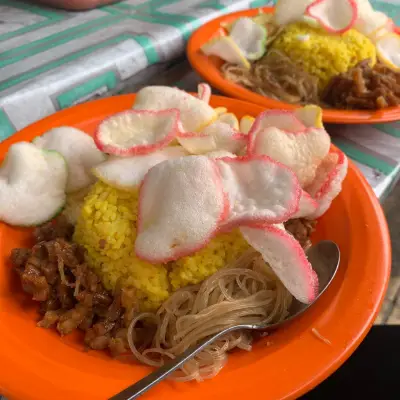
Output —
(321, 53)
(106, 227)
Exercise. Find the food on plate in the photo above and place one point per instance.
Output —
(32, 185)
(276, 76)
(71, 296)
(246, 42)
(161, 98)
(309, 47)
(175, 239)
(79, 151)
(324, 55)
(364, 87)
(128, 172)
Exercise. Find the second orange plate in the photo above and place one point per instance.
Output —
(209, 69)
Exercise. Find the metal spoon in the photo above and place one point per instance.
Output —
(324, 258)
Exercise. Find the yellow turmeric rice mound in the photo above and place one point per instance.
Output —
(106, 227)
(193, 269)
(322, 54)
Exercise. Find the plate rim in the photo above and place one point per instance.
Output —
(207, 71)
(374, 207)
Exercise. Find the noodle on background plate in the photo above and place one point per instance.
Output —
(362, 87)
(244, 292)
(276, 76)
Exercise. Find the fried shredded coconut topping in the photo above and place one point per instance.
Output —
(364, 87)
(72, 297)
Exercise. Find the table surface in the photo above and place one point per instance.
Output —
(52, 59)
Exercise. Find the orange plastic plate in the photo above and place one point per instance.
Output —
(37, 364)
(209, 69)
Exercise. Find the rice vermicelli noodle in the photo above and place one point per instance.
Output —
(245, 292)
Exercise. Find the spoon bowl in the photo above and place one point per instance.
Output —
(324, 258)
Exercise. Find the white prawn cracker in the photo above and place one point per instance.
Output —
(250, 37)
(307, 206)
(32, 185)
(259, 190)
(128, 172)
(370, 22)
(137, 131)
(328, 181)
(287, 11)
(79, 151)
(204, 92)
(388, 48)
(195, 114)
(287, 259)
(180, 208)
(302, 151)
(218, 136)
(283, 120)
(225, 47)
(336, 16)
(380, 29)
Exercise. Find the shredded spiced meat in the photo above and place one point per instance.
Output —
(364, 87)
(71, 296)
(301, 229)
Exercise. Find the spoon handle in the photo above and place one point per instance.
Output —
(138, 388)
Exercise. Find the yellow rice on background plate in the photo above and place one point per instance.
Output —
(106, 228)
(322, 54)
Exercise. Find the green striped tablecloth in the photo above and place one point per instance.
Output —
(52, 59)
